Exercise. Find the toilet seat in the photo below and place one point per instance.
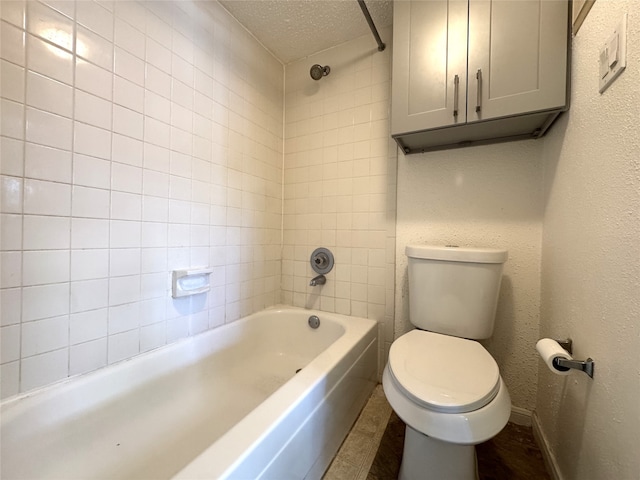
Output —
(443, 373)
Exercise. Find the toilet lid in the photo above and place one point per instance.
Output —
(443, 373)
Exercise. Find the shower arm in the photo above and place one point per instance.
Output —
(372, 26)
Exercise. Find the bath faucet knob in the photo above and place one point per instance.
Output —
(319, 280)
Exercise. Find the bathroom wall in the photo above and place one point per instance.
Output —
(591, 261)
(137, 138)
(486, 196)
(339, 185)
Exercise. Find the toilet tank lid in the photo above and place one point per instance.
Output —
(453, 253)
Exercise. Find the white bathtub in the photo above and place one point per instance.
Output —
(224, 404)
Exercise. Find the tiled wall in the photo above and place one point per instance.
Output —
(339, 187)
(136, 139)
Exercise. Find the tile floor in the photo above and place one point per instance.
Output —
(373, 449)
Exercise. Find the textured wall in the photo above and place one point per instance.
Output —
(482, 196)
(339, 186)
(137, 138)
(591, 261)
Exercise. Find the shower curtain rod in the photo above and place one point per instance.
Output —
(367, 15)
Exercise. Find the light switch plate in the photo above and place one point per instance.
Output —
(613, 55)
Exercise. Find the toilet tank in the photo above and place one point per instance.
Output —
(454, 290)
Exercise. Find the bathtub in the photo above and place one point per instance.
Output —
(226, 403)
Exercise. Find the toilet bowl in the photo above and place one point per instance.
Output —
(441, 382)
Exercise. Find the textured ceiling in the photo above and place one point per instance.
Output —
(293, 29)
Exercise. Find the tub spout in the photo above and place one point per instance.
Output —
(319, 280)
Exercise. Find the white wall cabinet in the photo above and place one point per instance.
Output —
(477, 71)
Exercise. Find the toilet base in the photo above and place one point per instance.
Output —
(425, 458)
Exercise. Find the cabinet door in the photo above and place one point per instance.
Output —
(429, 58)
(520, 49)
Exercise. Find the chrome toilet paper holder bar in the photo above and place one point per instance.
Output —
(564, 364)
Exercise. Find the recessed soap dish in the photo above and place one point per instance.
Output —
(190, 282)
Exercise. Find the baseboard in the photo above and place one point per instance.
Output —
(520, 416)
(548, 457)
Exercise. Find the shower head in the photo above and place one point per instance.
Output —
(318, 71)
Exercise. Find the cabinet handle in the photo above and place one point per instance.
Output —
(456, 86)
(479, 99)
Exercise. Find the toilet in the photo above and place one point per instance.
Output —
(440, 381)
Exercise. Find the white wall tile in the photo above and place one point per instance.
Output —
(11, 232)
(127, 150)
(127, 122)
(45, 301)
(124, 261)
(125, 234)
(89, 264)
(9, 378)
(152, 336)
(92, 141)
(95, 18)
(44, 233)
(128, 94)
(128, 66)
(46, 163)
(154, 260)
(93, 79)
(12, 152)
(89, 356)
(13, 12)
(86, 326)
(91, 171)
(12, 118)
(10, 343)
(47, 198)
(89, 295)
(66, 7)
(123, 318)
(11, 194)
(90, 202)
(157, 106)
(92, 110)
(49, 60)
(156, 132)
(50, 95)
(43, 336)
(125, 178)
(158, 81)
(158, 56)
(94, 48)
(44, 369)
(155, 209)
(155, 285)
(10, 269)
(11, 304)
(12, 44)
(48, 129)
(154, 234)
(89, 233)
(123, 345)
(12, 78)
(129, 38)
(49, 24)
(48, 266)
(132, 12)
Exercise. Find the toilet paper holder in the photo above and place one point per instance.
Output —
(564, 364)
